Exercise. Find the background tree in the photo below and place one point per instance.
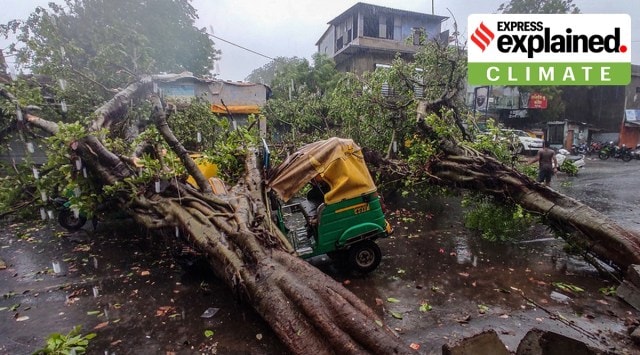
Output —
(96, 47)
(268, 72)
(299, 108)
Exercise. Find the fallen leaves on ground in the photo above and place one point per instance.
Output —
(482, 309)
(164, 310)
(101, 325)
(82, 247)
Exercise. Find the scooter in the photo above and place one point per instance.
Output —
(562, 155)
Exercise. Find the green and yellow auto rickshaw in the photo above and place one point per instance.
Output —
(341, 215)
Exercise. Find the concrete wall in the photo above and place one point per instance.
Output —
(326, 45)
(238, 93)
(232, 93)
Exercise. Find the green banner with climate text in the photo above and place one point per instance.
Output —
(549, 73)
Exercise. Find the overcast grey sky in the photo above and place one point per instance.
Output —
(287, 28)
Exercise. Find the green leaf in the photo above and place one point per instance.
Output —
(208, 333)
(393, 300)
(425, 307)
(14, 307)
(567, 287)
(3, 308)
(93, 313)
(607, 291)
(379, 322)
(396, 315)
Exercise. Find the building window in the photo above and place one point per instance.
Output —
(370, 27)
(389, 27)
(355, 26)
(637, 89)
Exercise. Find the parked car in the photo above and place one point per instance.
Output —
(341, 215)
(522, 142)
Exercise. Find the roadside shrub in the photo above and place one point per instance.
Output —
(569, 167)
(496, 221)
(71, 343)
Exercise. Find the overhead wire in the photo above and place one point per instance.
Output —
(239, 46)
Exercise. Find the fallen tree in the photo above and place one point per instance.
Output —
(254, 259)
(596, 233)
(235, 233)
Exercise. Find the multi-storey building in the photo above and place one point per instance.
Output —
(368, 36)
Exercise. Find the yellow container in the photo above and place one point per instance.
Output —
(208, 169)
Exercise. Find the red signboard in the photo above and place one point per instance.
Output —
(537, 101)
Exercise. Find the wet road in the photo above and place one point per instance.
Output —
(438, 282)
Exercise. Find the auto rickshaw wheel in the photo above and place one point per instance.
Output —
(364, 256)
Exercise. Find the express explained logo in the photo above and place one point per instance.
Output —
(482, 36)
(539, 38)
(549, 49)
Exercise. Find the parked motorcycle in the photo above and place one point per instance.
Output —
(68, 218)
(616, 152)
(73, 219)
(580, 149)
(594, 148)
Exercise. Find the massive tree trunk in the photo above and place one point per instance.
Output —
(309, 311)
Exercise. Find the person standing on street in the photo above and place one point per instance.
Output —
(547, 163)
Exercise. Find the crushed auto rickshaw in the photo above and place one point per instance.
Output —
(341, 215)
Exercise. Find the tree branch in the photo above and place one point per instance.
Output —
(159, 116)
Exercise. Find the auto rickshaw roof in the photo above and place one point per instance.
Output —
(339, 162)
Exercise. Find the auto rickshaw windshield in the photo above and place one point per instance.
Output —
(339, 162)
